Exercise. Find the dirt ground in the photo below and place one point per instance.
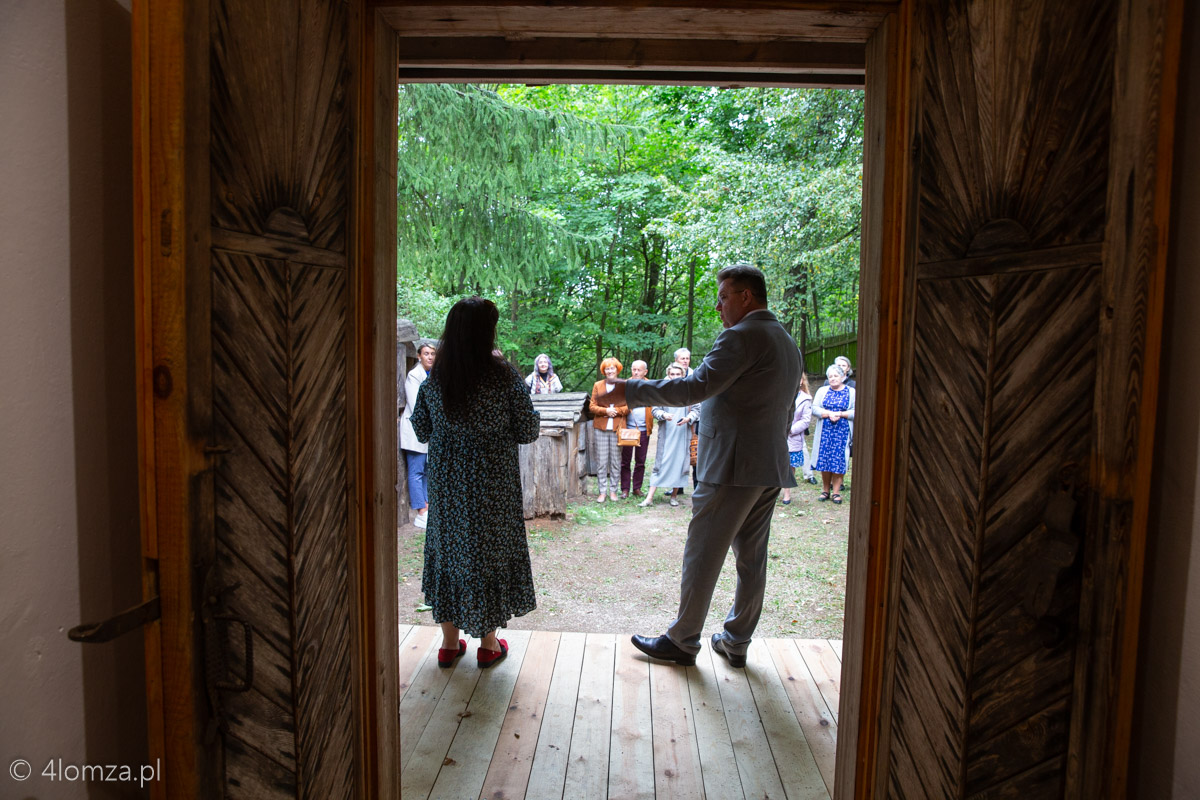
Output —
(614, 568)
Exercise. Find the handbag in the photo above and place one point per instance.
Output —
(629, 437)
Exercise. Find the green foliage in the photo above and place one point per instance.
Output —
(590, 213)
(424, 307)
(471, 168)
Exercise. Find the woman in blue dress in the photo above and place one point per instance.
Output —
(473, 411)
(833, 409)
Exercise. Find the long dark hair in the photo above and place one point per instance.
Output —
(465, 357)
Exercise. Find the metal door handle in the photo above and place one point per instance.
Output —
(248, 672)
(128, 620)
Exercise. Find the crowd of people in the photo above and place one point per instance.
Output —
(467, 410)
(622, 433)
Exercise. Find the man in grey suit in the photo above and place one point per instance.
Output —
(747, 387)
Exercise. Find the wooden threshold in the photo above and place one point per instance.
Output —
(588, 716)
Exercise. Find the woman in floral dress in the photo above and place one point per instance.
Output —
(473, 411)
(833, 409)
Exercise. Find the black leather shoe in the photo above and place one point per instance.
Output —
(718, 645)
(663, 649)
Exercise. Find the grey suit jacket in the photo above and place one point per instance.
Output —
(746, 386)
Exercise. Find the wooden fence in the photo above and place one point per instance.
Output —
(819, 352)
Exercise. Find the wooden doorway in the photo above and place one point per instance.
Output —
(776, 47)
(938, 81)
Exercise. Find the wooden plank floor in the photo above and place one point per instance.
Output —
(581, 716)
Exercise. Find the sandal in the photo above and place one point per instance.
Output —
(644, 504)
(487, 658)
(601, 498)
(823, 496)
(447, 657)
(837, 498)
(674, 502)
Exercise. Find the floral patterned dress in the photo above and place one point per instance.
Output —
(832, 443)
(477, 573)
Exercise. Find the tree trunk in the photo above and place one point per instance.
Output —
(816, 317)
(793, 296)
(513, 308)
(691, 311)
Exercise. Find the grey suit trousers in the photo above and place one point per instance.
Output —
(724, 517)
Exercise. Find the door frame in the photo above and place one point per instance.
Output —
(170, 159)
(886, 223)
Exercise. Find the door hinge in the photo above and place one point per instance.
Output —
(128, 620)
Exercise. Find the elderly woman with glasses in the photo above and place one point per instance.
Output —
(833, 409)
(543, 380)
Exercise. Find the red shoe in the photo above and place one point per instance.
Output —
(487, 658)
(447, 657)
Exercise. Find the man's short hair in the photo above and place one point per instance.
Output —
(639, 361)
(683, 350)
(746, 276)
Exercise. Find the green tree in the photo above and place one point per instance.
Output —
(470, 169)
(623, 201)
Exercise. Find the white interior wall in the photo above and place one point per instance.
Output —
(69, 548)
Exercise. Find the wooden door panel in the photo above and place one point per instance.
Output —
(279, 403)
(259, 777)
(1015, 116)
(1001, 417)
(946, 449)
(990, 686)
(1041, 398)
(279, 150)
(320, 527)
(280, 124)
(251, 491)
(1041, 436)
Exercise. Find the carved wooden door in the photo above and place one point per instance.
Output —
(1026, 322)
(277, 588)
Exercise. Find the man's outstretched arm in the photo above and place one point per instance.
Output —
(720, 368)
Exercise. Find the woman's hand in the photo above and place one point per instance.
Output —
(681, 421)
(612, 412)
(667, 416)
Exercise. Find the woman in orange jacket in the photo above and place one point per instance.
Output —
(608, 419)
